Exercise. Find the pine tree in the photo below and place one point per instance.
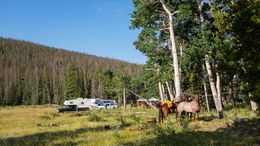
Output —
(108, 83)
(71, 87)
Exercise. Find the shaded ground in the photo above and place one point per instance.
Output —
(242, 132)
(46, 137)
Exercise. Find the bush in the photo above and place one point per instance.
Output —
(122, 120)
(160, 130)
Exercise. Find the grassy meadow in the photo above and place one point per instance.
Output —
(42, 125)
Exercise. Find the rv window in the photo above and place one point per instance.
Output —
(82, 102)
(71, 102)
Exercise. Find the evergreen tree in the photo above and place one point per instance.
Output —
(71, 87)
(108, 83)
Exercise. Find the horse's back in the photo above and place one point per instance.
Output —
(187, 107)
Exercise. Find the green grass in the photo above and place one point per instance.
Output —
(41, 125)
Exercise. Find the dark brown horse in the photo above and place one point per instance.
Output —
(192, 107)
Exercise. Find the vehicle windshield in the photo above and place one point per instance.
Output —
(101, 104)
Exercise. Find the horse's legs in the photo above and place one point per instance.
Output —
(197, 114)
(190, 116)
(178, 116)
(165, 115)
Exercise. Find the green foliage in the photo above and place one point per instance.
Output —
(122, 120)
(162, 130)
(238, 24)
(71, 84)
(228, 35)
(108, 83)
(152, 41)
(245, 15)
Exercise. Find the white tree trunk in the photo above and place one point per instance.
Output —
(181, 53)
(216, 96)
(219, 91)
(164, 94)
(169, 91)
(205, 86)
(160, 91)
(219, 94)
(124, 98)
(213, 88)
(181, 48)
(254, 107)
(174, 51)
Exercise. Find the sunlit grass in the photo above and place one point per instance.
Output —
(41, 125)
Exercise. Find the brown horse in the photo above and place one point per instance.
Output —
(192, 107)
(165, 109)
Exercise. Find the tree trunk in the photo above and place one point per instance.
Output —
(214, 91)
(231, 94)
(254, 107)
(169, 91)
(213, 88)
(218, 87)
(119, 98)
(36, 98)
(124, 98)
(160, 91)
(205, 86)
(165, 97)
(181, 53)
(174, 52)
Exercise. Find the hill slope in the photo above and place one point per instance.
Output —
(37, 74)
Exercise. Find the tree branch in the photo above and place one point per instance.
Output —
(174, 13)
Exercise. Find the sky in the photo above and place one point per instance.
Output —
(98, 27)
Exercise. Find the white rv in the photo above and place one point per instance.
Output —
(81, 104)
(84, 103)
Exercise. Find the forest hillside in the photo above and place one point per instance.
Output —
(36, 74)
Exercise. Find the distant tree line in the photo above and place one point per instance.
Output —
(36, 74)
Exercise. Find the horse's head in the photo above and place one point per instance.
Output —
(196, 98)
(170, 105)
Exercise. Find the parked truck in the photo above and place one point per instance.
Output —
(82, 104)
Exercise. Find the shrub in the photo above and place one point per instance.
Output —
(160, 130)
(122, 120)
